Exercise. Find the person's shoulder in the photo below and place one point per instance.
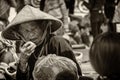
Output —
(57, 38)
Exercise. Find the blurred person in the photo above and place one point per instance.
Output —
(8, 56)
(105, 56)
(21, 3)
(53, 67)
(8, 59)
(116, 17)
(57, 8)
(70, 5)
(84, 27)
(75, 32)
(96, 15)
(4, 11)
(109, 10)
(34, 28)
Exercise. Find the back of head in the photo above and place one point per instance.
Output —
(54, 67)
(66, 75)
(105, 54)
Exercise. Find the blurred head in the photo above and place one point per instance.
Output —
(73, 26)
(54, 67)
(105, 54)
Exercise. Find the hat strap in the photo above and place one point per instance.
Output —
(46, 31)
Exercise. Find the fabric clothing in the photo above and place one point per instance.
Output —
(70, 4)
(57, 8)
(53, 8)
(8, 56)
(96, 15)
(116, 18)
(109, 10)
(4, 6)
(94, 4)
(21, 3)
(4, 11)
(9, 47)
(96, 19)
(55, 45)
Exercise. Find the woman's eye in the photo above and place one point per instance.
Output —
(27, 30)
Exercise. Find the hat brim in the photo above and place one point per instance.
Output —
(10, 33)
(27, 14)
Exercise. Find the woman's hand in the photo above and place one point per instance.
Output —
(26, 50)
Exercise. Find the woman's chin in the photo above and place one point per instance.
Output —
(36, 42)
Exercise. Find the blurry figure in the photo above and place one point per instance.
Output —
(105, 56)
(53, 67)
(79, 32)
(21, 3)
(8, 56)
(70, 5)
(85, 36)
(4, 12)
(109, 10)
(75, 32)
(35, 31)
(57, 8)
(116, 18)
(84, 27)
(96, 15)
(8, 59)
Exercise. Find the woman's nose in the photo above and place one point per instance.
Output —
(31, 35)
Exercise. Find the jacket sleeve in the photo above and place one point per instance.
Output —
(60, 46)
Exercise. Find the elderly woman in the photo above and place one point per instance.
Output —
(35, 28)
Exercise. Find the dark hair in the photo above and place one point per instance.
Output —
(105, 54)
(66, 75)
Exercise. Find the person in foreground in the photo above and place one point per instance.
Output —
(105, 56)
(53, 67)
(34, 28)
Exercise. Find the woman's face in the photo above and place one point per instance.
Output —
(31, 31)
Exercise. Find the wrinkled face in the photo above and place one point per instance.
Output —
(31, 31)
